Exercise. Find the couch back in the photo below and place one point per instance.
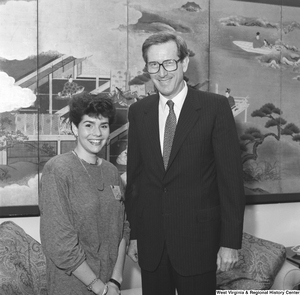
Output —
(23, 265)
(22, 262)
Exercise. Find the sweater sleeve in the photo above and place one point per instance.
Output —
(58, 236)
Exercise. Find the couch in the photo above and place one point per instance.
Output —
(22, 262)
(261, 265)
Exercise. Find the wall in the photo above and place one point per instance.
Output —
(31, 225)
(276, 222)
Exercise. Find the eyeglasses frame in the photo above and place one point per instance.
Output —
(162, 64)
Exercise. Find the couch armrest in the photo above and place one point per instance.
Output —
(287, 278)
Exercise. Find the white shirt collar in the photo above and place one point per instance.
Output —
(178, 100)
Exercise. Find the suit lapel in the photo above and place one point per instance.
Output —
(152, 130)
(188, 117)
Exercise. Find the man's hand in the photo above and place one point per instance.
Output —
(226, 258)
(132, 251)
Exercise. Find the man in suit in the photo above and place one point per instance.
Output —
(186, 211)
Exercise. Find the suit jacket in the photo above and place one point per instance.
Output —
(197, 204)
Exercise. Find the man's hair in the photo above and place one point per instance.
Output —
(92, 105)
(164, 37)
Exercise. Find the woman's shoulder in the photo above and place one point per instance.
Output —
(109, 165)
(60, 162)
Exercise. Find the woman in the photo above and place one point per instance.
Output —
(84, 231)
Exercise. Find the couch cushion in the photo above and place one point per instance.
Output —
(22, 262)
(259, 262)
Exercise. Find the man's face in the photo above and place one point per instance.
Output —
(167, 83)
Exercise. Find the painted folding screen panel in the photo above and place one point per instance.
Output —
(255, 59)
(19, 155)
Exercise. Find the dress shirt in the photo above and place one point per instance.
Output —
(163, 111)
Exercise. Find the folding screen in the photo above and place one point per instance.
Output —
(255, 53)
(52, 49)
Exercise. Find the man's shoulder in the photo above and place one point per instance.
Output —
(145, 102)
(204, 95)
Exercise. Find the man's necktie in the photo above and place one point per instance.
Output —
(169, 133)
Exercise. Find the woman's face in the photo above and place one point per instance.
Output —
(92, 135)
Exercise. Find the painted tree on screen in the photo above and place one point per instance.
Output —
(252, 137)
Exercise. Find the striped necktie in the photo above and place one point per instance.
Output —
(170, 128)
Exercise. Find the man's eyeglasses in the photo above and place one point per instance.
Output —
(169, 65)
